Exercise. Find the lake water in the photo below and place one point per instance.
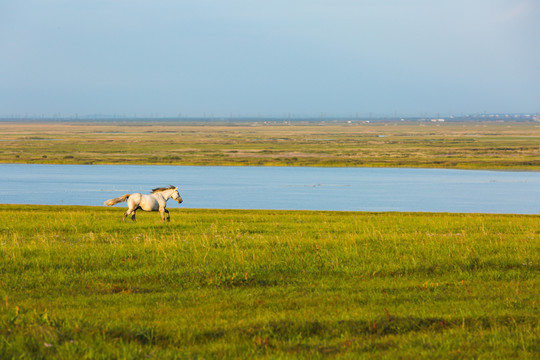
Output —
(299, 188)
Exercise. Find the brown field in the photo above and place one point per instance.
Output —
(473, 145)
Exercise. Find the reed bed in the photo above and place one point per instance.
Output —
(469, 145)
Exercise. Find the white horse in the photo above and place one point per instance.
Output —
(156, 201)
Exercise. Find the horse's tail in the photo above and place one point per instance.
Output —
(114, 201)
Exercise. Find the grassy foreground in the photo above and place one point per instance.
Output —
(76, 282)
(473, 145)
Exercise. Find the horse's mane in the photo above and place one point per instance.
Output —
(162, 188)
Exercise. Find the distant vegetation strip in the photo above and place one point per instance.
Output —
(462, 145)
(77, 282)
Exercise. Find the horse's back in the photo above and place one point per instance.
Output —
(135, 197)
(149, 203)
(146, 202)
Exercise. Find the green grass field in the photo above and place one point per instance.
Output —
(76, 282)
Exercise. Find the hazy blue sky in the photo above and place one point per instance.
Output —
(250, 57)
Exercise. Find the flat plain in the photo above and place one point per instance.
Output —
(469, 145)
(77, 282)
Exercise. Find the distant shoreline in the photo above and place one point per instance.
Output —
(485, 145)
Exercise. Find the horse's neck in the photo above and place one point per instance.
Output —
(167, 194)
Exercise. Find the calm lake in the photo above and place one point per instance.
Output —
(298, 188)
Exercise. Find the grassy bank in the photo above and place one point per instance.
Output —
(76, 282)
(474, 145)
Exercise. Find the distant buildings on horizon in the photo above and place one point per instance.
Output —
(283, 119)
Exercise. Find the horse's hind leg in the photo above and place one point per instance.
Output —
(129, 212)
(134, 211)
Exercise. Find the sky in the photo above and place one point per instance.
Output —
(240, 58)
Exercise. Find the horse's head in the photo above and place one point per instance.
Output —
(176, 196)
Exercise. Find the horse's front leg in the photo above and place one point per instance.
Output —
(162, 212)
